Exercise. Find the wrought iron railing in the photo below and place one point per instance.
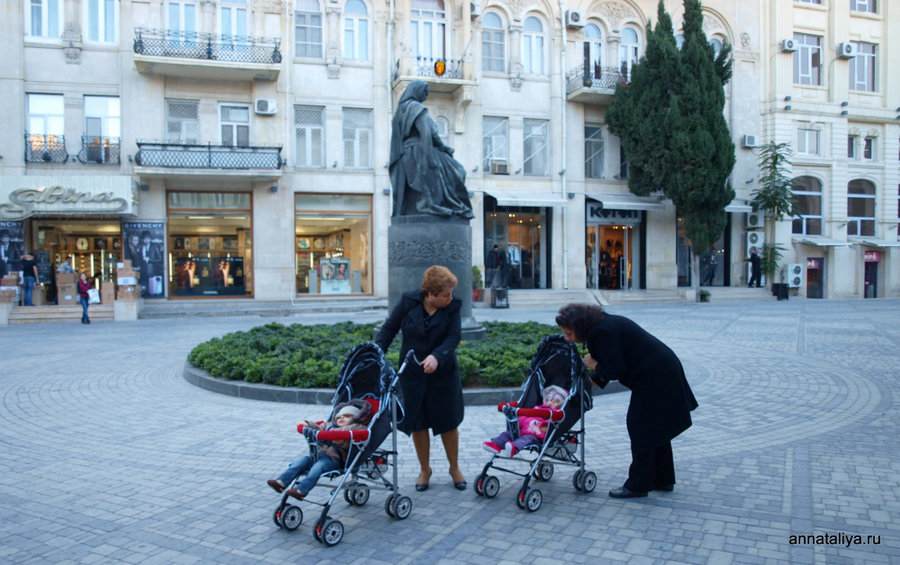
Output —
(99, 150)
(45, 148)
(597, 78)
(206, 46)
(431, 67)
(186, 156)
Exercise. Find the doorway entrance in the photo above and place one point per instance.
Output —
(609, 253)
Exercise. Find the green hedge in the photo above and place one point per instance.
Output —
(311, 356)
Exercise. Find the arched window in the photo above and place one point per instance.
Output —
(308, 29)
(594, 40)
(860, 208)
(428, 29)
(533, 46)
(356, 31)
(679, 41)
(717, 44)
(629, 52)
(808, 192)
(493, 43)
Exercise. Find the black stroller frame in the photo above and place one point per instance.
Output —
(555, 362)
(365, 374)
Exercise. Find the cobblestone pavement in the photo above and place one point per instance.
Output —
(107, 455)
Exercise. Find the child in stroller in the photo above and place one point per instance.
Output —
(353, 415)
(532, 429)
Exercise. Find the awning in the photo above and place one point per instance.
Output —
(533, 200)
(627, 201)
(878, 242)
(819, 240)
(738, 206)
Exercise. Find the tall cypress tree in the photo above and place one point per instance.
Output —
(672, 129)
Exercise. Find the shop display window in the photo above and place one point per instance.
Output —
(331, 238)
(519, 232)
(210, 244)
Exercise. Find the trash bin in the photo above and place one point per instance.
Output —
(499, 298)
(780, 290)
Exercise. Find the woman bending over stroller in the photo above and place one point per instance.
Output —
(532, 430)
(351, 415)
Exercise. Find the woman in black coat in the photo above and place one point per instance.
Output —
(661, 399)
(430, 320)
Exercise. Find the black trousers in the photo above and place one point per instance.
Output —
(651, 469)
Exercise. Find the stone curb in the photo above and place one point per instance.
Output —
(323, 396)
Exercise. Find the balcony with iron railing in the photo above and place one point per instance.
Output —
(442, 75)
(99, 150)
(593, 84)
(45, 148)
(206, 55)
(174, 159)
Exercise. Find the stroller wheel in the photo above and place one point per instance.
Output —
(360, 495)
(291, 517)
(401, 507)
(589, 482)
(491, 486)
(332, 532)
(479, 485)
(388, 506)
(530, 499)
(276, 516)
(577, 480)
(545, 471)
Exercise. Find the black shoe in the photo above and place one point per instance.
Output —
(459, 485)
(664, 488)
(423, 487)
(623, 492)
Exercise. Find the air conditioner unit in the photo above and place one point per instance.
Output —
(755, 220)
(265, 106)
(574, 18)
(748, 274)
(788, 46)
(474, 9)
(794, 275)
(755, 239)
(750, 141)
(846, 50)
(499, 168)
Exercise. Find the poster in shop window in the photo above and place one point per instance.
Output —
(144, 248)
(335, 276)
(11, 247)
(209, 276)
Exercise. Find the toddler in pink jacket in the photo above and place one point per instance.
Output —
(532, 430)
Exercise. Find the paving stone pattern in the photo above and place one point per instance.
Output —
(108, 455)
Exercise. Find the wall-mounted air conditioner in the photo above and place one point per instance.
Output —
(499, 167)
(755, 220)
(788, 46)
(846, 50)
(574, 18)
(474, 9)
(265, 106)
(794, 275)
(755, 239)
(750, 141)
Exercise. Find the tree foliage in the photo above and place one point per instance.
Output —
(774, 195)
(672, 128)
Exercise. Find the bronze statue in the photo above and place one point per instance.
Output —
(425, 177)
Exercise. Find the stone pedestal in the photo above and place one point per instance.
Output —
(416, 242)
(127, 310)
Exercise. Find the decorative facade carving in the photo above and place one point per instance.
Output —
(71, 39)
(270, 6)
(429, 252)
(615, 12)
(516, 7)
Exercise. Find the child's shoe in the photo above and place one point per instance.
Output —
(276, 484)
(491, 447)
(509, 450)
(295, 493)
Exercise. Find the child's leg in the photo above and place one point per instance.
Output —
(525, 441)
(323, 465)
(503, 438)
(296, 469)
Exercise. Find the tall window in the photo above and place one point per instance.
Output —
(356, 31)
(357, 138)
(852, 150)
(863, 67)
(533, 46)
(43, 18)
(628, 52)
(808, 192)
(309, 128)
(45, 125)
(183, 121)
(536, 147)
(182, 18)
(493, 43)
(594, 145)
(807, 59)
(428, 29)
(308, 29)
(594, 41)
(234, 121)
(869, 148)
(808, 141)
(495, 142)
(100, 20)
(867, 6)
(102, 126)
(860, 208)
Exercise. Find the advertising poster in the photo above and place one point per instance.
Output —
(335, 275)
(209, 276)
(11, 247)
(144, 247)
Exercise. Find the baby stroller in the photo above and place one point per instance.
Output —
(556, 362)
(365, 374)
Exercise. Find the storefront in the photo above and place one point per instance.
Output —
(332, 235)
(615, 241)
(520, 228)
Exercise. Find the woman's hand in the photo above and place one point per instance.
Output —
(430, 364)
(590, 362)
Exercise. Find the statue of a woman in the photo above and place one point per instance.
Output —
(425, 177)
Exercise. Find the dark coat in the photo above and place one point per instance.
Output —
(661, 399)
(430, 401)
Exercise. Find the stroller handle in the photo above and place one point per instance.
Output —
(549, 414)
(411, 354)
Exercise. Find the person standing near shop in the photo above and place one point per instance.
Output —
(430, 320)
(84, 286)
(29, 278)
(661, 399)
(755, 270)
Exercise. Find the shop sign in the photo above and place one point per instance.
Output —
(22, 197)
(873, 256)
(596, 213)
(814, 263)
